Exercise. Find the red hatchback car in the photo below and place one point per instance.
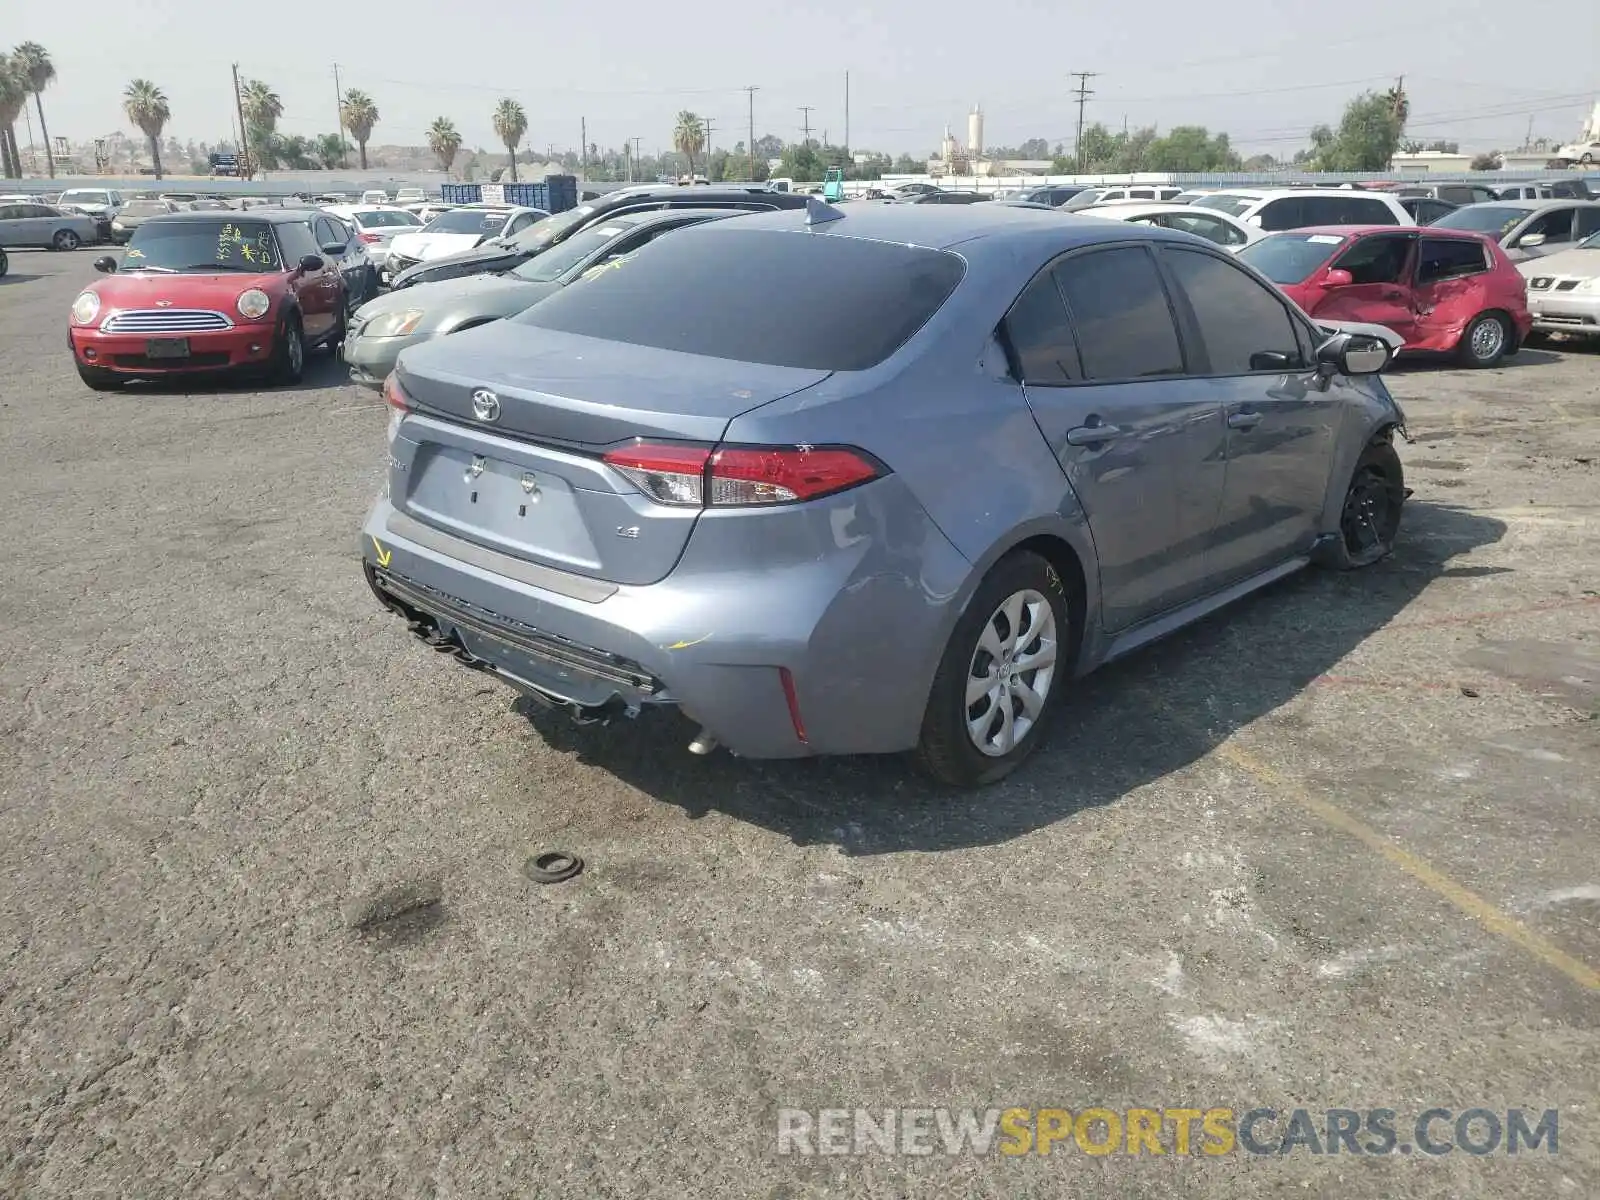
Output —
(211, 291)
(1440, 290)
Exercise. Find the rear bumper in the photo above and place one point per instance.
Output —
(1566, 312)
(245, 346)
(859, 636)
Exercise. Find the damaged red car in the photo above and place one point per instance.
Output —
(1442, 291)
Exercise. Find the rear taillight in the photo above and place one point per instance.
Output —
(741, 476)
(371, 239)
(399, 405)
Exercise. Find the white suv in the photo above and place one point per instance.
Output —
(1300, 208)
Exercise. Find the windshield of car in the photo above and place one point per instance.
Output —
(1291, 257)
(769, 297)
(202, 246)
(386, 218)
(467, 220)
(1234, 206)
(1483, 218)
(80, 196)
(145, 208)
(208, 206)
(548, 230)
(557, 260)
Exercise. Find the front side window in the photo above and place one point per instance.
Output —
(1119, 308)
(1040, 336)
(297, 241)
(1240, 321)
(1448, 258)
(1555, 226)
(1375, 260)
(1201, 225)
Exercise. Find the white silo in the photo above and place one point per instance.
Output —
(975, 132)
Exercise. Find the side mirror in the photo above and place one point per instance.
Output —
(310, 263)
(1529, 240)
(334, 249)
(105, 264)
(1354, 354)
(1338, 277)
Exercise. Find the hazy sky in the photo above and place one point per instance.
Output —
(1264, 71)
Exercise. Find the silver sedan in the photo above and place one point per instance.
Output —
(29, 224)
(382, 328)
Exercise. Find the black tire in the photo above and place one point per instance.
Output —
(289, 355)
(1369, 518)
(1587, 158)
(65, 239)
(336, 338)
(99, 378)
(5, 264)
(1480, 345)
(947, 749)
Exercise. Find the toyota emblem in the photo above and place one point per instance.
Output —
(485, 405)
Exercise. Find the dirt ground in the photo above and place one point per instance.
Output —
(1338, 847)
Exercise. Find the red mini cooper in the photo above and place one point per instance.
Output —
(211, 291)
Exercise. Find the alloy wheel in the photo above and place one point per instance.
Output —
(1011, 672)
(1488, 339)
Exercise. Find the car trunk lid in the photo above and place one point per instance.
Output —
(530, 481)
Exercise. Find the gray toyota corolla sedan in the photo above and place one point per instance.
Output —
(875, 478)
(382, 328)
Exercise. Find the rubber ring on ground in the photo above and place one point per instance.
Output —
(556, 866)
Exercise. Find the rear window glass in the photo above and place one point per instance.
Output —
(772, 297)
(386, 218)
(1290, 257)
(468, 220)
(1234, 206)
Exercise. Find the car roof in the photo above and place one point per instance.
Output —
(944, 226)
(1150, 208)
(269, 213)
(654, 216)
(1364, 230)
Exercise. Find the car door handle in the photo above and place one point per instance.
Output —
(1394, 294)
(1244, 420)
(1092, 435)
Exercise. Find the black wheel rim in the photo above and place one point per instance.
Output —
(1367, 523)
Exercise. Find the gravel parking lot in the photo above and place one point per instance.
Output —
(1336, 848)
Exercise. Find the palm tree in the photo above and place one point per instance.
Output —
(13, 97)
(330, 150)
(689, 137)
(510, 123)
(359, 114)
(444, 141)
(38, 72)
(262, 108)
(146, 106)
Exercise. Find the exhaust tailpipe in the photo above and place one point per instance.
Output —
(703, 742)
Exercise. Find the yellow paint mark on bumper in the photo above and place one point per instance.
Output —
(686, 645)
(1490, 917)
(383, 555)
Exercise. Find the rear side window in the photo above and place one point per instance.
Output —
(1588, 221)
(1448, 258)
(1040, 334)
(1239, 319)
(1119, 308)
(780, 298)
(1285, 213)
(1346, 210)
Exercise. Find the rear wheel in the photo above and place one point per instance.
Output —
(1369, 520)
(5, 263)
(1001, 676)
(99, 378)
(289, 359)
(65, 239)
(1485, 341)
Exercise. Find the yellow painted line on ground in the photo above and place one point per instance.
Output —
(1473, 905)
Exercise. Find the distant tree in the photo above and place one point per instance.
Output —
(1261, 162)
(13, 99)
(330, 150)
(768, 146)
(1368, 136)
(444, 141)
(38, 73)
(803, 164)
(146, 106)
(262, 108)
(1487, 162)
(689, 136)
(906, 165)
(510, 123)
(359, 115)
(1190, 148)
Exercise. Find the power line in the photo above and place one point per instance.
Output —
(805, 123)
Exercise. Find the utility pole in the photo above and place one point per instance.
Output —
(847, 114)
(1083, 92)
(636, 158)
(751, 90)
(707, 150)
(583, 150)
(627, 157)
(805, 123)
(338, 113)
(244, 130)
